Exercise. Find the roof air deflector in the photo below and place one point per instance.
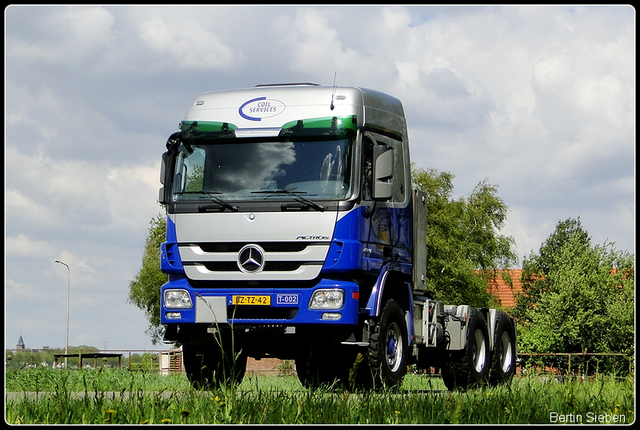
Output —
(291, 84)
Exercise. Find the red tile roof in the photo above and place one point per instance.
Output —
(503, 292)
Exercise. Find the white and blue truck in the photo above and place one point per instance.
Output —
(293, 232)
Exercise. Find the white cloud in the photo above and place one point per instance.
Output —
(80, 195)
(23, 247)
(608, 104)
(62, 189)
(87, 27)
(73, 35)
(554, 73)
(29, 109)
(17, 290)
(132, 194)
(396, 18)
(20, 206)
(317, 45)
(187, 43)
(81, 269)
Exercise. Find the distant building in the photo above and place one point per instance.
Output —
(20, 344)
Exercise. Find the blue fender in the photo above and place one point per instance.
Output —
(374, 304)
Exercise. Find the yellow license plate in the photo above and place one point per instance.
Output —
(251, 300)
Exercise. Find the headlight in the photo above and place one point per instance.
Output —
(177, 299)
(327, 299)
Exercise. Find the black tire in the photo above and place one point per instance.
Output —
(388, 347)
(330, 364)
(470, 367)
(315, 367)
(209, 366)
(503, 359)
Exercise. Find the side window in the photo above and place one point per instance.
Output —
(369, 140)
(367, 166)
(189, 171)
(195, 170)
(398, 170)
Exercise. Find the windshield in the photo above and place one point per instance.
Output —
(258, 169)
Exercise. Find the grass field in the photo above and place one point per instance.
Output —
(90, 396)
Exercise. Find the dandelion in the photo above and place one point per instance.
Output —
(111, 412)
(166, 421)
(397, 412)
(145, 422)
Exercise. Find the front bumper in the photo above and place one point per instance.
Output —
(260, 306)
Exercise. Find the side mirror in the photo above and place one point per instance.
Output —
(382, 172)
(162, 198)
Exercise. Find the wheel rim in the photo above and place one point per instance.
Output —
(479, 351)
(394, 347)
(506, 353)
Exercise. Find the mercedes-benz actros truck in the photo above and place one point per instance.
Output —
(293, 232)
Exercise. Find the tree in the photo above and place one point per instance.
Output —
(536, 266)
(576, 297)
(464, 247)
(144, 290)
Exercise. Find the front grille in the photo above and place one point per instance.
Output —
(267, 246)
(223, 266)
(274, 266)
(218, 261)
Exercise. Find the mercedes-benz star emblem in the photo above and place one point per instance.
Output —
(251, 259)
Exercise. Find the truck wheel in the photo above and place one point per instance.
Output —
(321, 365)
(312, 368)
(503, 360)
(207, 367)
(388, 346)
(471, 366)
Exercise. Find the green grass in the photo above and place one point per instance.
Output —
(119, 396)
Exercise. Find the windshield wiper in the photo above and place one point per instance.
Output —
(297, 196)
(212, 196)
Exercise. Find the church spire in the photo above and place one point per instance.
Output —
(20, 343)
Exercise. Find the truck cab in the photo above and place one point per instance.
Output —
(293, 232)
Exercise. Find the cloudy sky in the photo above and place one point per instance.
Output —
(538, 100)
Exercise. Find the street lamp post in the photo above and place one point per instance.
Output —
(66, 338)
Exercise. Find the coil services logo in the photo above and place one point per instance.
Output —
(261, 107)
